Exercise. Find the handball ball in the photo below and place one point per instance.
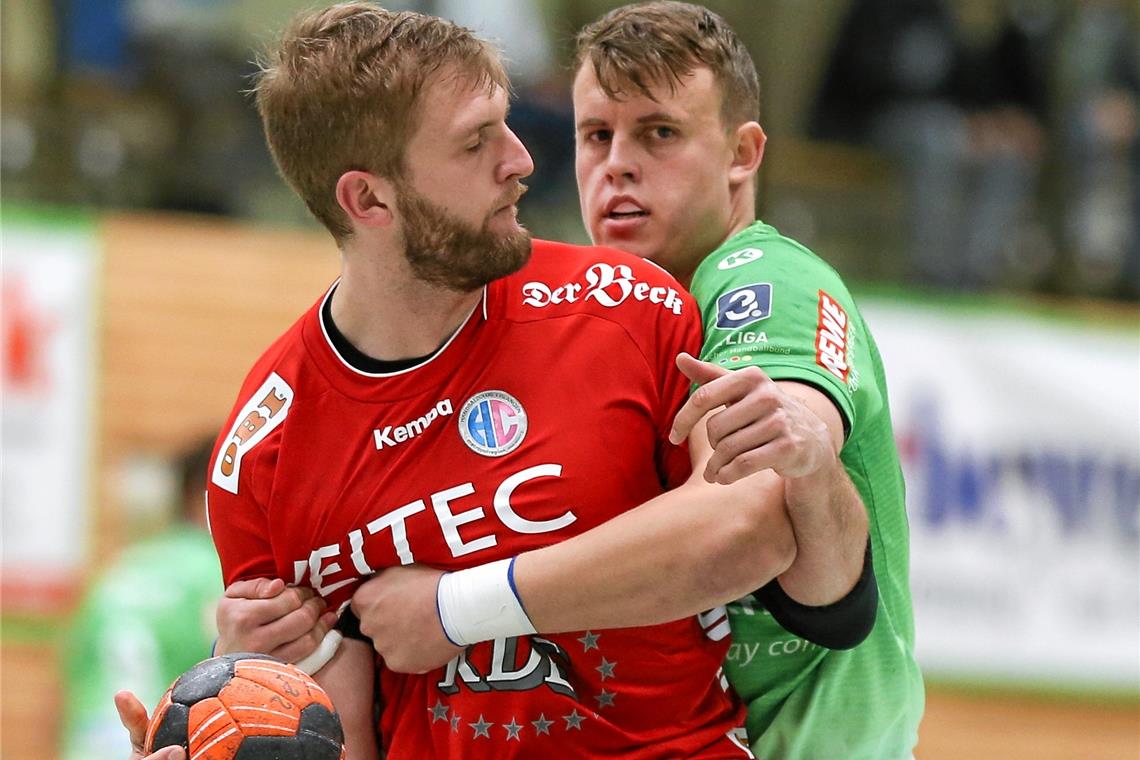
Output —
(247, 707)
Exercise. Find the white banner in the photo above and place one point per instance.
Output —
(46, 372)
(1020, 440)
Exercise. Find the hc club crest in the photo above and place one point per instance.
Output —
(492, 423)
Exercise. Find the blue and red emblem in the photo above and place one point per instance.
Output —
(492, 423)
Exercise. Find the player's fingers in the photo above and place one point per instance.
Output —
(698, 371)
(255, 588)
(299, 623)
(277, 630)
(723, 390)
(258, 612)
(307, 643)
(748, 394)
(132, 715)
(743, 466)
(750, 445)
(752, 407)
(168, 753)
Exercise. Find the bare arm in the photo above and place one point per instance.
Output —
(828, 517)
(349, 678)
(795, 432)
(695, 547)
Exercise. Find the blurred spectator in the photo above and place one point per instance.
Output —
(957, 93)
(1098, 88)
(147, 619)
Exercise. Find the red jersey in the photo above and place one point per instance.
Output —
(545, 415)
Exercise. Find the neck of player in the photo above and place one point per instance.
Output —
(387, 313)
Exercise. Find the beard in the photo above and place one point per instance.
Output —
(447, 251)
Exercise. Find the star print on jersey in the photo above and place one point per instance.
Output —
(513, 729)
(439, 712)
(590, 641)
(546, 665)
(574, 720)
(482, 727)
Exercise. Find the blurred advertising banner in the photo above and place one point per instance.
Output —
(1020, 441)
(46, 388)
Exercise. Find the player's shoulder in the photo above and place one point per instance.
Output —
(761, 251)
(284, 372)
(563, 278)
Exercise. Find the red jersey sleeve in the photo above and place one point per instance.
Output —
(241, 477)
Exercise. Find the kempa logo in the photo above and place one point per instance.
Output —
(394, 435)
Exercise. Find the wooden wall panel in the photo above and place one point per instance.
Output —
(187, 306)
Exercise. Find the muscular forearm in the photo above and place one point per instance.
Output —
(349, 679)
(830, 526)
(827, 514)
(685, 551)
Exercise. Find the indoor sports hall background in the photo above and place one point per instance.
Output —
(989, 223)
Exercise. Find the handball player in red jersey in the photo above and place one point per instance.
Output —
(461, 395)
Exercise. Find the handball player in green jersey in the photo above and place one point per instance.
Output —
(666, 104)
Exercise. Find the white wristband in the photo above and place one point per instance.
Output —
(322, 654)
(480, 604)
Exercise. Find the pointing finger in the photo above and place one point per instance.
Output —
(698, 371)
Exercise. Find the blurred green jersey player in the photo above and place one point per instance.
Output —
(144, 621)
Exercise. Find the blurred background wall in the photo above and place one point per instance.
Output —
(971, 166)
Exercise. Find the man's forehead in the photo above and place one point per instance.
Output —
(690, 96)
(461, 102)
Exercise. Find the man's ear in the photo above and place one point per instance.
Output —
(367, 199)
(747, 143)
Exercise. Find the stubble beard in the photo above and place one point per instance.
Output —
(446, 251)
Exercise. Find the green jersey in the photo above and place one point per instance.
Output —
(145, 621)
(768, 301)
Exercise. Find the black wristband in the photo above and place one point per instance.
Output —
(349, 626)
(841, 625)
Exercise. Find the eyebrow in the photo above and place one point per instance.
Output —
(656, 116)
(467, 131)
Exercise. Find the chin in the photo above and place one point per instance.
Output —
(642, 248)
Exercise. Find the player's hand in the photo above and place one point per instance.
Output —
(264, 615)
(761, 427)
(132, 714)
(397, 610)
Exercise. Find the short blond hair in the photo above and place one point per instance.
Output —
(341, 91)
(637, 47)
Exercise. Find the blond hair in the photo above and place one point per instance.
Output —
(637, 47)
(341, 91)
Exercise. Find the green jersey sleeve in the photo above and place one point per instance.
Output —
(769, 302)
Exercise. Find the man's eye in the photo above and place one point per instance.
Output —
(599, 135)
(664, 133)
(475, 148)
